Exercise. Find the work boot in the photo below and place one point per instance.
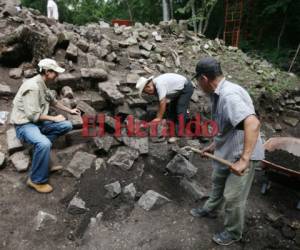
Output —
(202, 212)
(55, 168)
(224, 238)
(41, 188)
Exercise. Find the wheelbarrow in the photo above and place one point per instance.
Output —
(281, 173)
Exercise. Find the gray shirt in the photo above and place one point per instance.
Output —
(169, 85)
(231, 105)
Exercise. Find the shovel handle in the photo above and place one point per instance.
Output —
(213, 157)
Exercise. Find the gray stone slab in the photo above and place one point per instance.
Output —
(111, 92)
(113, 189)
(16, 73)
(20, 161)
(44, 220)
(152, 200)
(139, 143)
(129, 191)
(5, 90)
(103, 143)
(80, 163)
(124, 157)
(72, 52)
(13, 143)
(181, 166)
(85, 108)
(76, 206)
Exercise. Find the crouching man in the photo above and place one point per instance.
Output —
(34, 125)
(173, 87)
(238, 141)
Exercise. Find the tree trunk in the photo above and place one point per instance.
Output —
(206, 21)
(129, 10)
(192, 2)
(294, 59)
(165, 10)
(281, 31)
(171, 9)
(200, 27)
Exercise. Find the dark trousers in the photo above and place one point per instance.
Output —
(179, 105)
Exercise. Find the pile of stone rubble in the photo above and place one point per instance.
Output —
(102, 65)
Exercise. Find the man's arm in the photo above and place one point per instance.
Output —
(251, 133)
(60, 106)
(57, 118)
(161, 110)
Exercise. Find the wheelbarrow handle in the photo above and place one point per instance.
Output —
(213, 157)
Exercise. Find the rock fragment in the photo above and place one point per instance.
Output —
(152, 200)
(44, 220)
(100, 164)
(129, 191)
(111, 92)
(76, 206)
(5, 90)
(124, 157)
(15, 73)
(20, 161)
(13, 143)
(94, 73)
(113, 189)
(80, 163)
(67, 92)
(72, 52)
(180, 165)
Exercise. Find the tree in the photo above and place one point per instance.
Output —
(200, 14)
(278, 6)
(166, 11)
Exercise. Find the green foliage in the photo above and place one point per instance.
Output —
(40, 5)
(279, 5)
(262, 21)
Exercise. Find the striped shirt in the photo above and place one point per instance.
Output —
(231, 105)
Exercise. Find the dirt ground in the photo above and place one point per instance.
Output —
(124, 225)
(272, 221)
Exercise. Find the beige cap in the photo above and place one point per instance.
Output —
(50, 64)
(141, 83)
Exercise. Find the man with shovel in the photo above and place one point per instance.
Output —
(238, 141)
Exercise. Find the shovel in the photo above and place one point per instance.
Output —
(211, 156)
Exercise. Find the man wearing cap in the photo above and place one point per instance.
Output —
(170, 86)
(238, 141)
(34, 125)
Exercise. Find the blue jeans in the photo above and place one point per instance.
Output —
(41, 135)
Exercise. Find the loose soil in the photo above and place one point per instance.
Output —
(284, 159)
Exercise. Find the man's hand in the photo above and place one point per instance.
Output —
(240, 166)
(157, 120)
(59, 118)
(75, 112)
(208, 149)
